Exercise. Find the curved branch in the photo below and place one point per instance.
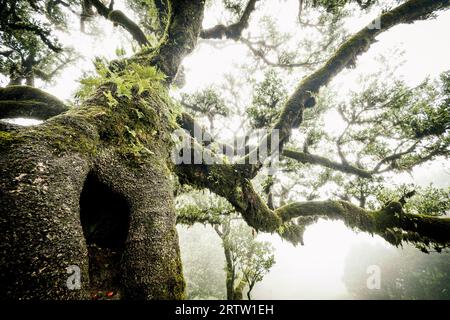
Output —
(233, 31)
(118, 17)
(228, 181)
(322, 161)
(290, 220)
(390, 222)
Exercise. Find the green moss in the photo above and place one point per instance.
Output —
(177, 286)
(387, 217)
(138, 126)
(8, 138)
(67, 133)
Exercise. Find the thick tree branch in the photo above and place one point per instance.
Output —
(290, 220)
(228, 182)
(118, 17)
(188, 123)
(390, 222)
(233, 31)
(181, 38)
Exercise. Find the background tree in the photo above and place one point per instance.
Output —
(246, 258)
(28, 49)
(405, 274)
(256, 259)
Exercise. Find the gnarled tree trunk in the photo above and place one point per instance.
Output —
(83, 162)
(91, 188)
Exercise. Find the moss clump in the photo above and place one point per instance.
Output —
(177, 285)
(389, 216)
(139, 129)
(8, 138)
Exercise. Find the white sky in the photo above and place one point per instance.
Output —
(314, 270)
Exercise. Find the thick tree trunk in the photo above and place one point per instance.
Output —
(91, 188)
(85, 161)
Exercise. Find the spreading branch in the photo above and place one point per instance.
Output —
(390, 222)
(346, 55)
(322, 161)
(28, 102)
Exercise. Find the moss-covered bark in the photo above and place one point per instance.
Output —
(47, 167)
(290, 220)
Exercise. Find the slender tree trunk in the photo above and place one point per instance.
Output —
(250, 288)
(230, 274)
(29, 81)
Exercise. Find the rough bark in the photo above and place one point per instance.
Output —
(48, 168)
(48, 214)
(305, 157)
